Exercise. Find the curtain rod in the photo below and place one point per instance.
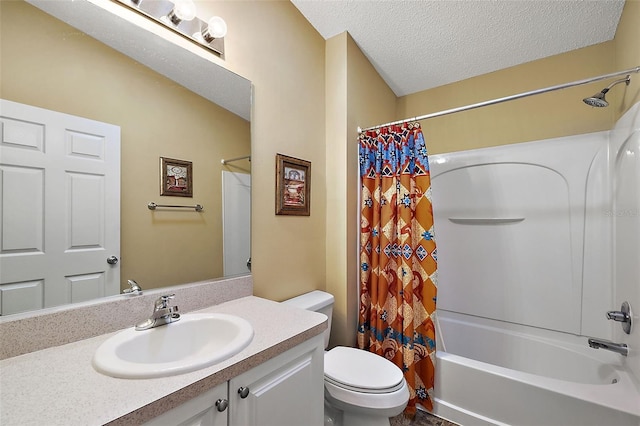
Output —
(223, 161)
(505, 99)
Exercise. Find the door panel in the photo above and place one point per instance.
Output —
(21, 297)
(86, 287)
(86, 204)
(22, 204)
(59, 208)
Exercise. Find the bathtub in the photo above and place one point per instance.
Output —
(495, 373)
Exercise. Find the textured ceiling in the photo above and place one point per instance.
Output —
(420, 44)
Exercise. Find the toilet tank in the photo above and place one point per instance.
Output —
(317, 301)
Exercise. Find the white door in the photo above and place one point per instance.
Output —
(236, 222)
(59, 208)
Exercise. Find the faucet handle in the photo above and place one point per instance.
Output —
(618, 316)
(162, 313)
(624, 315)
(163, 301)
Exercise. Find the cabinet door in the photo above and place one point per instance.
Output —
(286, 390)
(199, 411)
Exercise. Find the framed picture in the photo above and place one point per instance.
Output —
(293, 186)
(176, 177)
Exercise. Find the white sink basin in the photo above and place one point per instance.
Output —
(194, 342)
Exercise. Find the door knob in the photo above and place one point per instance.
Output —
(243, 391)
(112, 260)
(222, 404)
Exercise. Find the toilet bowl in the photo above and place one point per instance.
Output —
(360, 387)
(366, 388)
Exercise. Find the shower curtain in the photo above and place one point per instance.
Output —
(398, 256)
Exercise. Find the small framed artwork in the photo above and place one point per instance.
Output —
(293, 186)
(176, 177)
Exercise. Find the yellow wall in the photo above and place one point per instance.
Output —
(270, 43)
(337, 147)
(355, 94)
(553, 114)
(550, 115)
(309, 97)
(65, 70)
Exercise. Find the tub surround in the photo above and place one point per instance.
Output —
(59, 385)
(545, 283)
(493, 200)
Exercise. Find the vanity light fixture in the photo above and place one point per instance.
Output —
(180, 17)
(216, 28)
(183, 10)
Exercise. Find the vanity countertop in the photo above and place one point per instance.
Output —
(59, 385)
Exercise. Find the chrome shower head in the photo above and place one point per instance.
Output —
(598, 99)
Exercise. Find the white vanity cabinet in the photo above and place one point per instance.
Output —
(285, 390)
(206, 409)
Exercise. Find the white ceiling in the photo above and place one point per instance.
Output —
(419, 44)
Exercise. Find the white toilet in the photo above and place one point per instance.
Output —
(360, 387)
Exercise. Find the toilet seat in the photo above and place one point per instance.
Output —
(361, 389)
(361, 371)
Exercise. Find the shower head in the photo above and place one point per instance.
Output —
(598, 99)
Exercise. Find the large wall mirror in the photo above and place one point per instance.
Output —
(199, 113)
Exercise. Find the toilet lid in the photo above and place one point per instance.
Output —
(360, 370)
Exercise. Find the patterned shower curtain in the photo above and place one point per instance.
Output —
(398, 256)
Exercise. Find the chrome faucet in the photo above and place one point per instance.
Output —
(620, 348)
(162, 314)
(134, 289)
(623, 316)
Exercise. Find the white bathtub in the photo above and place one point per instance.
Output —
(494, 373)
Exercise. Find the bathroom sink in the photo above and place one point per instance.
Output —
(194, 342)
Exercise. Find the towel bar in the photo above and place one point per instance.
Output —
(153, 206)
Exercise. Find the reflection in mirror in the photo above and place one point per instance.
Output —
(48, 64)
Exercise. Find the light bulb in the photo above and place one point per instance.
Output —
(216, 28)
(183, 10)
